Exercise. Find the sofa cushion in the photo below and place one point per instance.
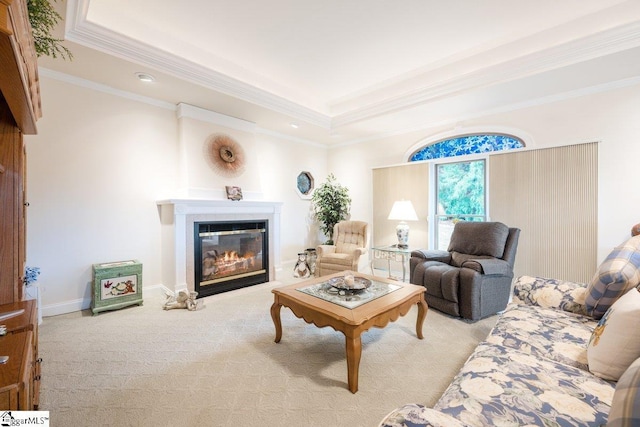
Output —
(500, 386)
(545, 333)
(625, 408)
(550, 293)
(618, 273)
(615, 342)
(340, 259)
(479, 238)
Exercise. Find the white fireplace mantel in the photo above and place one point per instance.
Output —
(178, 217)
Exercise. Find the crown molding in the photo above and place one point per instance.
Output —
(193, 112)
(597, 45)
(81, 31)
(411, 91)
(99, 87)
(448, 121)
(182, 109)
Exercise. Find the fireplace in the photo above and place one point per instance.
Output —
(178, 218)
(230, 255)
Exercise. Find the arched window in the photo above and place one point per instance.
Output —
(467, 144)
(460, 187)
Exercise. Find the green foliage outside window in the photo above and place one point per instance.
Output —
(461, 188)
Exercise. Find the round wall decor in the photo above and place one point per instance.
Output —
(225, 155)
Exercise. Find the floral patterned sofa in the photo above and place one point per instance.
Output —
(553, 357)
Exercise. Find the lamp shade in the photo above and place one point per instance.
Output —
(403, 210)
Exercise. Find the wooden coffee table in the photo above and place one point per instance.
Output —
(352, 322)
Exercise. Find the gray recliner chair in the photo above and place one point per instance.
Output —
(472, 279)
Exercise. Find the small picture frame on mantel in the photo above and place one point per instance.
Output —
(234, 193)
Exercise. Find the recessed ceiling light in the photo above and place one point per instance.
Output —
(144, 77)
(294, 125)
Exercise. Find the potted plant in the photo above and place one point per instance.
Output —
(43, 19)
(331, 204)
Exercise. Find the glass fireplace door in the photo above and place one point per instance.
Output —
(230, 255)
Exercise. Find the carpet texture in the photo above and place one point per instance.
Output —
(219, 366)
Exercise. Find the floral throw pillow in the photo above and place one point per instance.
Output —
(618, 273)
(550, 293)
(615, 342)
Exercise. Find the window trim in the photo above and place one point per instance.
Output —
(433, 229)
(458, 132)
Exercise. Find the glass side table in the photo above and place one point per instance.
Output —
(392, 253)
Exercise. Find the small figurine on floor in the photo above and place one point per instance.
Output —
(183, 300)
(301, 268)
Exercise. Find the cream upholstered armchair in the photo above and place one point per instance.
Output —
(350, 242)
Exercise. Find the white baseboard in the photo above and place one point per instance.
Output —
(85, 303)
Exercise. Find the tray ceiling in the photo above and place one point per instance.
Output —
(346, 71)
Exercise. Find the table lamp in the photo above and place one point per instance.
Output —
(403, 211)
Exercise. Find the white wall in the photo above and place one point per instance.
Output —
(100, 162)
(97, 167)
(612, 118)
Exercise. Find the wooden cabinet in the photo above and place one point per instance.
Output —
(12, 249)
(16, 376)
(20, 376)
(19, 110)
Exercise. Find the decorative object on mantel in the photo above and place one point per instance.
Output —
(225, 155)
(635, 230)
(234, 193)
(184, 299)
(331, 204)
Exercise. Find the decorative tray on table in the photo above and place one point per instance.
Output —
(354, 284)
(349, 290)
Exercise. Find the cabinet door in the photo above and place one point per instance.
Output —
(11, 152)
(28, 373)
(21, 215)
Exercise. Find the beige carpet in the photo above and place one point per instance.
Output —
(219, 366)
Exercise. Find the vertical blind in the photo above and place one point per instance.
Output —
(552, 196)
(408, 182)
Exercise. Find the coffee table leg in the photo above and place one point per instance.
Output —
(422, 314)
(354, 351)
(275, 315)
